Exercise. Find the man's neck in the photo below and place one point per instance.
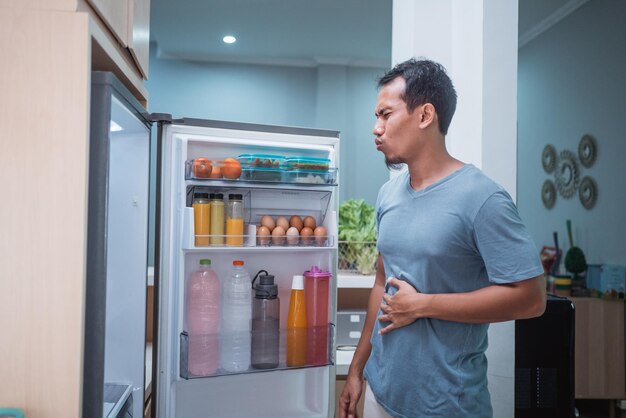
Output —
(431, 167)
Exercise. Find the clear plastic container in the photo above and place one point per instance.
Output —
(267, 161)
(261, 167)
(311, 176)
(201, 219)
(217, 219)
(307, 163)
(234, 220)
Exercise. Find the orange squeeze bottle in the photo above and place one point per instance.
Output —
(297, 324)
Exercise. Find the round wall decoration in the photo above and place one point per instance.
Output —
(548, 194)
(548, 158)
(588, 192)
(566, 174)
(587, 150)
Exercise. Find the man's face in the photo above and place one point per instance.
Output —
(395, 129)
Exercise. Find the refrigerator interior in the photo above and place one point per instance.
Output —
(127, 252)
(285, 391)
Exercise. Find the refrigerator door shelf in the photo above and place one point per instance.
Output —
(259, 202)
(325, 334)
(251, 241)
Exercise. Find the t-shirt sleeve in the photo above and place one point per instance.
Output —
(507, 249)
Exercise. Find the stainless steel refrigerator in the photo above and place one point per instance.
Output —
(117, 252)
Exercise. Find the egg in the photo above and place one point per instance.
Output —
(296, 222)
(278, 236)
(310, 222)
(263, 235)
(320, 235)
(268, 222)
(293, 236)
(306, 234)
(282, 221)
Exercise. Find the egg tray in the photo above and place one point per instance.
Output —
(269, 241)
(319, 241)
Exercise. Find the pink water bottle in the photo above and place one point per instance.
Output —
(202, 318)
(316, 292)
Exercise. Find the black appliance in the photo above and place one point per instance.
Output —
(544, 362)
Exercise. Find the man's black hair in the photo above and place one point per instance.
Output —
(426, 82)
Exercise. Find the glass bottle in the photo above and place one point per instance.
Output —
(234, 220)
(217, 219)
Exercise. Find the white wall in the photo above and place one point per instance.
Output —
(477, 43)
(572, 81)
(335, 97)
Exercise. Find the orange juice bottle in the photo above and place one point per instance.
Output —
(234, 221)
(297, 325)
(201, 219)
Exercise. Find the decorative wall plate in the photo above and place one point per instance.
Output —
(588, 192)
(548, 158)
(587, 150)
(548, 194)
(566, 174)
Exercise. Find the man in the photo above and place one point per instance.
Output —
(457, 256)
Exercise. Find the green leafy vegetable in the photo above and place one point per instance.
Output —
(357, 226)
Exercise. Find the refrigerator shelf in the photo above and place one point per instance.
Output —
(314, 336)
(276, 175)
(261, 242)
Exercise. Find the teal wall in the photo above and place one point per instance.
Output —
(334, 97)
(572, 81)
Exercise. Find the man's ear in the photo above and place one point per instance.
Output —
(427, 115)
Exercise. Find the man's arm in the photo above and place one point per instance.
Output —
(352, 390)
(495, 303)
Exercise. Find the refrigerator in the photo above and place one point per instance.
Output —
(293, 185)
(117, 252)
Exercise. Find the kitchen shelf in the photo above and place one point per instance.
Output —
(354, 281)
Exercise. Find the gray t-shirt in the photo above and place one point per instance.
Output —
(459, 234)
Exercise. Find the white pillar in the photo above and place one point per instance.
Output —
(477, 43)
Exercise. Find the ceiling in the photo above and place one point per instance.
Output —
(301, 32)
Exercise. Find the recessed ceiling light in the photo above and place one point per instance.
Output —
(229, 39)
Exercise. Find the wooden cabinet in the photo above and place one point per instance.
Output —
(115, 15)
(129, 23)
(48, 49)
(599, 349)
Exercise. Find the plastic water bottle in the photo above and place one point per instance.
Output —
(236, 319)
(202, 320)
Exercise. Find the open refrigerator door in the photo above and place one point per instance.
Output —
(252, 179)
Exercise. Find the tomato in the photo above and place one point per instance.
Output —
(216, 173)
(231, 168)
(202, 168)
